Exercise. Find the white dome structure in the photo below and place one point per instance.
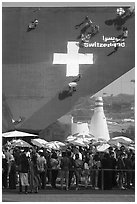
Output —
(79, 127)
(98, 126)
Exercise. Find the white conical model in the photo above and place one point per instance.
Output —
(98, 126)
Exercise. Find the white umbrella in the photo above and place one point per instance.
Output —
(132, 148)
(54, 145)
(16, 133)
(61, 144)
(114, 143)
(70, 138)
(20, 143)
(123, 139)
(95, 143)
(39, 142)
(98, 141)
(50, 145)
(80, 142)
(84, 135)
(103, 147)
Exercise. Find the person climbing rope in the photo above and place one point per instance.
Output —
(32, 25)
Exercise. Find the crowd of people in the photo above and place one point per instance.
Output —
(33, 169)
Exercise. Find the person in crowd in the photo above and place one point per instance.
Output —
(16, 154)
(128, 168)
(4, 171)
(133, 170)
(121, 167)
(42, 168)
(24, 169)
(48, 159)
(34, 179)
(54, 161)
(114, 163)
(65, 166)
(96, 171)
(8, 154)
(71, 167)
(78, 163)
(91, 168)
(106, 163)
(86, 171)
(12, 173)
(76, 150)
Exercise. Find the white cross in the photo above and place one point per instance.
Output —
(72, 59)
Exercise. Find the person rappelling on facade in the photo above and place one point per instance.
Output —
(85, 38)
(87, 23)
(72, 87)
(78, 78)
(122, 15)
(32, 25)
(115, 50)
(121, 38)
(87, 32)
(126, 13)
(124, 34)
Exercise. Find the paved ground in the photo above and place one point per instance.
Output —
(82, 195)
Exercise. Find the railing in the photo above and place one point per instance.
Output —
(117, 171)
(113, 170)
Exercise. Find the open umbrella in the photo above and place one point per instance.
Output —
(16, 133)
(103, 147)
(51, 145)
(123, 140)
(132, 148)
(59, 143)
(84, 135)
(70, 138)
(39, 142)
(80, 142)
(56, 145)
(20, 143)
(114, 143)
(98, 141)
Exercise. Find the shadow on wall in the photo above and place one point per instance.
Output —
(56, 131)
